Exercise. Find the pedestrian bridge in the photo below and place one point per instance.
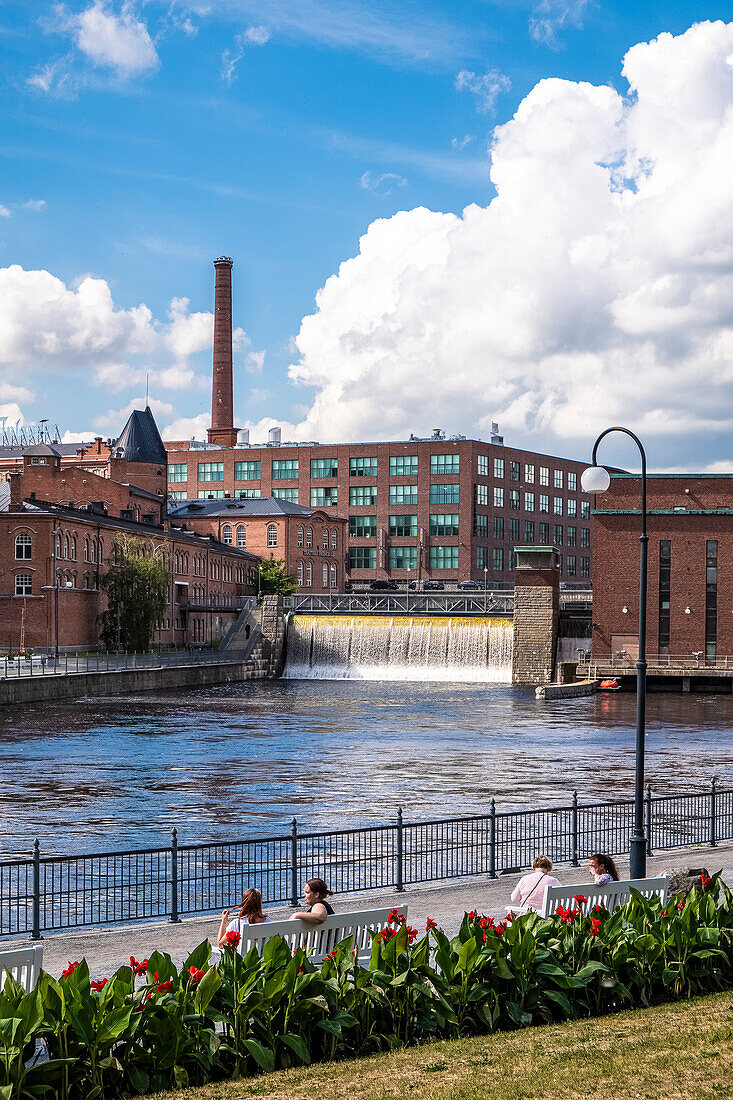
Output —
(422, 603)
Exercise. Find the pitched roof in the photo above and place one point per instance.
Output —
(140, 439)
(241, 506)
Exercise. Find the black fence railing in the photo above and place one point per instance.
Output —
(50, 893)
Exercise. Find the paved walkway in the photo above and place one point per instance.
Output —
(107, 949)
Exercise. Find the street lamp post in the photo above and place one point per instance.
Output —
(486, 589)
(407, 597)
(596, 479)
(259, 580)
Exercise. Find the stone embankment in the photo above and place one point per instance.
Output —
(263, 662)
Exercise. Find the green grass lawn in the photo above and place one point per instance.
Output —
(672, 1052)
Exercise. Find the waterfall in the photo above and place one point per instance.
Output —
(398, 647)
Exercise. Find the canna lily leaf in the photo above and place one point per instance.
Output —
(264, 1058)
(297, 1044)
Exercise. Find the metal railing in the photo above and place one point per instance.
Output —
(47, 893)
(662, 662)
(70, 663)
(402, 603)
(420, 603)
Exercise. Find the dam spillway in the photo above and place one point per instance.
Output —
(399, 647)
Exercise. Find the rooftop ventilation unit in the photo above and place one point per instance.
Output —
(243, 437)
(274, 437)
(438, 433)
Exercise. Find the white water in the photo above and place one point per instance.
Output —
(383, 647)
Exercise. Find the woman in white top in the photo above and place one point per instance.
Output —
(529, 893)
(250, 912)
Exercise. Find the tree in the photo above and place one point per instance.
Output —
(137, 586)
(274, 579)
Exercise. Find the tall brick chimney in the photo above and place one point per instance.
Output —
(222, 430)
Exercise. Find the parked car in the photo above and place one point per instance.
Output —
(383, 586)
(433, 586)
(469, 585)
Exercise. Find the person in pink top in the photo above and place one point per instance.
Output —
(529, 893)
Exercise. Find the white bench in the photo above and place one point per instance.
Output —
(610, 895)
(24, 963)
(320, 939)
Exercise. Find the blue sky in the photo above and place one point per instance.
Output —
(141, 140)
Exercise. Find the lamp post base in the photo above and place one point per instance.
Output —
(637, 857)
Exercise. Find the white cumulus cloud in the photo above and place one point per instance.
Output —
(116, 41)
(596, 287)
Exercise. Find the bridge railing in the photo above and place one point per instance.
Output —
(46, 893)
(420, 603)
(70, 663)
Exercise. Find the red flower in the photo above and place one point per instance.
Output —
(511, 916)
(430, 924)
(580, 899)
(484, 937)
(394, 917)
(138, 967)
(472, 915)
(232, 939)
(681, 903)
(664, 913)
(705, 879)
(330, 957)
(69, 969)
(164, 987)
(99, 985)
(411, 934)
(597, 908)
(196, 975)
(595, 927)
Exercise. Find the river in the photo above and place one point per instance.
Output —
(220, 763)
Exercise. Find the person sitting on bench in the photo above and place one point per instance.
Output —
(529, 893)
(315, 895)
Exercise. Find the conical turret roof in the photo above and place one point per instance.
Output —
(140, 439)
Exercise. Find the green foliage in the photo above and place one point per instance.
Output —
(273, 578)
(152, 1027)
(137, 587)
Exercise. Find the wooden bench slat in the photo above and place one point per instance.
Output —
(609, 895)
(320, 940)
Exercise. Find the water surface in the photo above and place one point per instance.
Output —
(219, 763)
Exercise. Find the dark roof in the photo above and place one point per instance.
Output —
(140, 440)
(241, 506)
(4, 496)
(43, 449)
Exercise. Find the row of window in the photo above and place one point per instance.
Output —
(558, 531)
(287, 469)
(403, 557)
(514, 501)
(514, 470)
(304, 572)
(366, 496)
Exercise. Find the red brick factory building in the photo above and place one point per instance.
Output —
(443, 508)
(690, 566)
(57, 527)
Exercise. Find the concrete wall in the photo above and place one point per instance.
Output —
(272, 623)
(45, 688)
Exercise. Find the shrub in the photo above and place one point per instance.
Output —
(151, 1027)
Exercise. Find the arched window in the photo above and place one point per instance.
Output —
(73, 547)
(334, 582)
(300, 574)
(300, 536)
(23, 547)
(308, 574)
(66, 546)
(271, 535)
(325, 575)
(226, 534)
(309, 537)
(59, 546)
(86, 551)
(23, 584)
(334, 539)
(92, 551)
(241, 535)
(325, 538)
